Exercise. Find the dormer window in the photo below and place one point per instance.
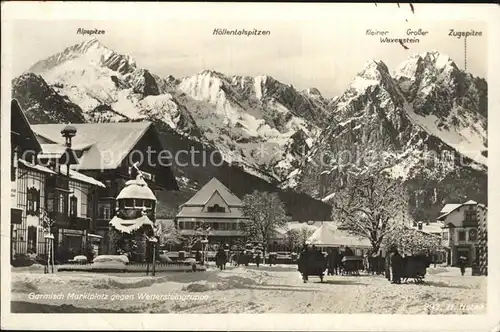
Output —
(216, 208)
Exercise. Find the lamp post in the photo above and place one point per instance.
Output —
(50, 256)
(153, 240)
(204, 243)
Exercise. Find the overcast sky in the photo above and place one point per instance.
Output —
(321, 53)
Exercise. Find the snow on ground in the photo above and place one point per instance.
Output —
(276, 289)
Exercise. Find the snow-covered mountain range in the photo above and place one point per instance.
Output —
(257, 121)
(426, 106)
(427, 120)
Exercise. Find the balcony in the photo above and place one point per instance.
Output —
(108, 192)
(61, 219)
(56, 182)
(80, 223)
(470, 223)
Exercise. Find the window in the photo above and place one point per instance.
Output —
(216, 208)
(445, 236)
(216, 225)
(62, 203)
(33, 201)
(473, 235)
(470, 215)
(128, 203)
(461, 235)
(90, 205)
(104, 210)
(233, 226)
(73, 206)
(50, 201)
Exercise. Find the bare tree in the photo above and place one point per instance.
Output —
(266, 213)
(298, 237)
(372, 205)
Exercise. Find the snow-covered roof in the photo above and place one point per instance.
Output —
(108, 143)
(330, 235)
(128, 226)
(296, 225)
(207, 191)
(432, 228)
(449, 208)
(136, 189)
(39, 168)
(73, 175)
(81, 177)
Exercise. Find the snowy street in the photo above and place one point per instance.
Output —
(276, 289)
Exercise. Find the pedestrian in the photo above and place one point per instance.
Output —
(366, 265)
(257, 259)
(462, 261)
(197, 256)
(396, 266)
(220, 258)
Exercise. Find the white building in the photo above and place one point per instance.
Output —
(460, 229)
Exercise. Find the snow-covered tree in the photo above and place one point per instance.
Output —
(200, 233)
(412, 241)
(169, 234)
(297, 237)
(267, 214)
(371, 205)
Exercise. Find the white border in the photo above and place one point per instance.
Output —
(256, 11)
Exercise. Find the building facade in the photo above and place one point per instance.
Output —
(460, 230)
(108, 152)
(45, 197)
(215, 212)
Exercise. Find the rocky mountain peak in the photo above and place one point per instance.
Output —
(91, 51)
(313, 92)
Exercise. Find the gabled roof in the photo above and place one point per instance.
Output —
(432, 228)
(108, 143)
(74, 175)
(449, 208)
(296, 225)
(330, 235)
(20, 126)
(207, 191)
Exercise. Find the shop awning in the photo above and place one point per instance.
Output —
(130, 225)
